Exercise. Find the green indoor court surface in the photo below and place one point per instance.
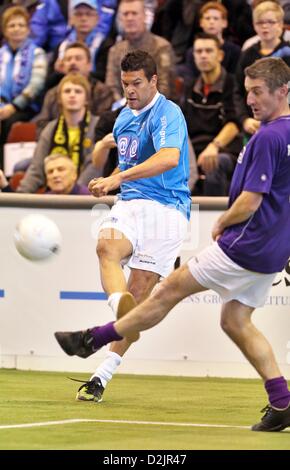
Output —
(138, 412)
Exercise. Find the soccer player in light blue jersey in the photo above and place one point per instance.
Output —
(251, 244)
(147, 225)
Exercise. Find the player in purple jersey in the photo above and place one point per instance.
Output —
(251, 244)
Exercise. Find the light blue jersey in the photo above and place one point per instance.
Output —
(140, 135)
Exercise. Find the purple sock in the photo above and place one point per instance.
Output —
(279, 395)
(104, 334)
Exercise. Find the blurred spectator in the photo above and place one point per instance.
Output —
(72, 134)
(50, 18)
(210, 116)
(268, 19)
(240, 25)
(107, 11)
(177, 21)
(286, 7)
(23, 68)
(150, 8)
(48, 21)
(255, 39)
(60, 174)
(29, 5)
(76, 59)
(86, 28)
(213, 20)
(132, 17)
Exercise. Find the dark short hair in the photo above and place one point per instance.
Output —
(208, 36)
(139, 60)
(79, 45)
(273, 70)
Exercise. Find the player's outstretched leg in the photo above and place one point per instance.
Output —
(93, 389)
(177, 286)
(140, 286)
(84, 343)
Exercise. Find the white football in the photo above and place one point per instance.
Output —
(37, 237)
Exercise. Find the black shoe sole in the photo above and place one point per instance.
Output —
(93, 400)
(65, 342)
(72, 343)
(278, 428)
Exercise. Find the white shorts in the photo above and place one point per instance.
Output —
(213, 269)
(155, 231)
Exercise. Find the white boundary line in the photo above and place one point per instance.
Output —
(116, 421)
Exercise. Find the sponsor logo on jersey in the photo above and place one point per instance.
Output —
(123, 145)
(162, 133)
(241, 155)
(133, 148)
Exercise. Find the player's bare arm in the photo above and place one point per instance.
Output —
(102, 148)
(242, 209)
(163, 160)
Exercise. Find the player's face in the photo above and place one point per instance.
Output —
(60, 175)
(139, 91)
(73, 97)
(265, 104)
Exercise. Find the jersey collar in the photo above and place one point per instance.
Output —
(136, 112)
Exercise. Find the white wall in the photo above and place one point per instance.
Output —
(188, 342)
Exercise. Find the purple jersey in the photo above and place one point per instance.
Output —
(262, 243)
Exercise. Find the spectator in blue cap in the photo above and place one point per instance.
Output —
(91, 23)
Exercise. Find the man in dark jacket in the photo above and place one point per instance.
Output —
(210, 115)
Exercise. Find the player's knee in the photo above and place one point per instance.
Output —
(231, 324)
(137, 292)
(141, 285)
(226, 324)
(160, 293)
(105, 250)
(140, 291)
